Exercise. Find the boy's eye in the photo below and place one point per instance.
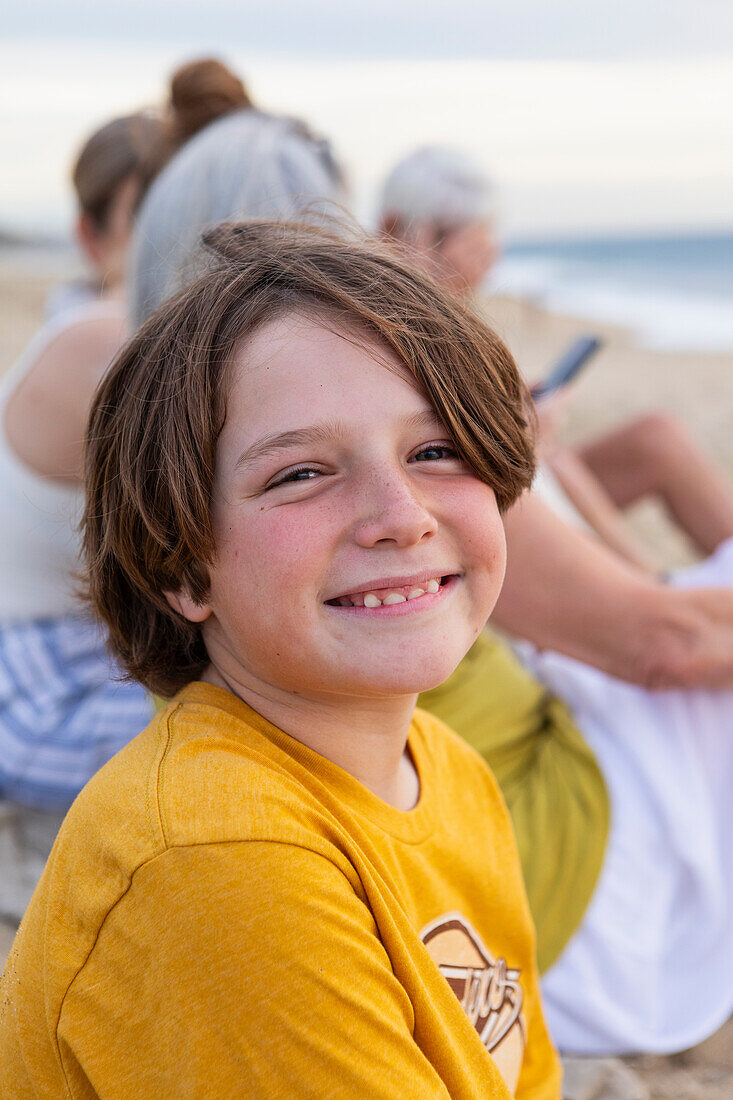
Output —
(434, 453)
(301, 473)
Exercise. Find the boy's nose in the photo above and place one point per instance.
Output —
(393, 513)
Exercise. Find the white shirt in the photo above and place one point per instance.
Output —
(39, 540)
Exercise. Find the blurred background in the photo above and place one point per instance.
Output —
(607, 128)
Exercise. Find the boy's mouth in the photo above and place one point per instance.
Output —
(390, 595)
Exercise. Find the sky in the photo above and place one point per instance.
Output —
(591, 118)
(501, 29)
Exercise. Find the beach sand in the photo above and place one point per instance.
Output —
(622, 381)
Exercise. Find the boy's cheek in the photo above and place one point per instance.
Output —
(270, 537)
(294, 550)
(272, 572)
(485, 548)
(482, 530)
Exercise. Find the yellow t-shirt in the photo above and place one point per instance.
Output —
(225, 913)
(548, 775)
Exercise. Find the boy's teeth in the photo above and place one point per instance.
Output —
(387, 598)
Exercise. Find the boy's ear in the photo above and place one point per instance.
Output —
(185, 605)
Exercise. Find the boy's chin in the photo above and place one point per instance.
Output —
(414, 677)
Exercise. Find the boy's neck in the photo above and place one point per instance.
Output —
(365, 737)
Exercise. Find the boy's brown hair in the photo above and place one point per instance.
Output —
(156, 418)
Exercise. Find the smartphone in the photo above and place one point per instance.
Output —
(568, 366)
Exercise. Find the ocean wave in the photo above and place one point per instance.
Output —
(652, 301)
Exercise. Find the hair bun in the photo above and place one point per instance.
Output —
(200, 92)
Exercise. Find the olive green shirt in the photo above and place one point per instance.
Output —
(552, 784)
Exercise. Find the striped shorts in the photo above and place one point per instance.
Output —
(63, 709)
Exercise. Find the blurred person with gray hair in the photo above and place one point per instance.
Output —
(245, 167)
(621, 962)
(441, 203)
(438, 202)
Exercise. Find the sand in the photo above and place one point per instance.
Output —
(624, 380)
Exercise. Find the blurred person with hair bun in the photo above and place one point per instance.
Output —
(116, 164)
(200, 93)
(63, 709)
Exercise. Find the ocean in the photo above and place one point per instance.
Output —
(674, 291)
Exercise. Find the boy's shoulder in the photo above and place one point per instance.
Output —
(206, 770)
(226, 774)
(209, 770)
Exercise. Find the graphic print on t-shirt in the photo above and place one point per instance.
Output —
(489, 990)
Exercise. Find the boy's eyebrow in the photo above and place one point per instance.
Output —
(318, 433)
(279, 441)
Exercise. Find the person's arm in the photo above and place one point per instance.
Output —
(595, 506)
(567, 592)
(46, 416)
(244, 970)
(585, 492)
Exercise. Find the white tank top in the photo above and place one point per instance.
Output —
(39, 541)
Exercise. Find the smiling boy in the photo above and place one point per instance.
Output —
(291, 885)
